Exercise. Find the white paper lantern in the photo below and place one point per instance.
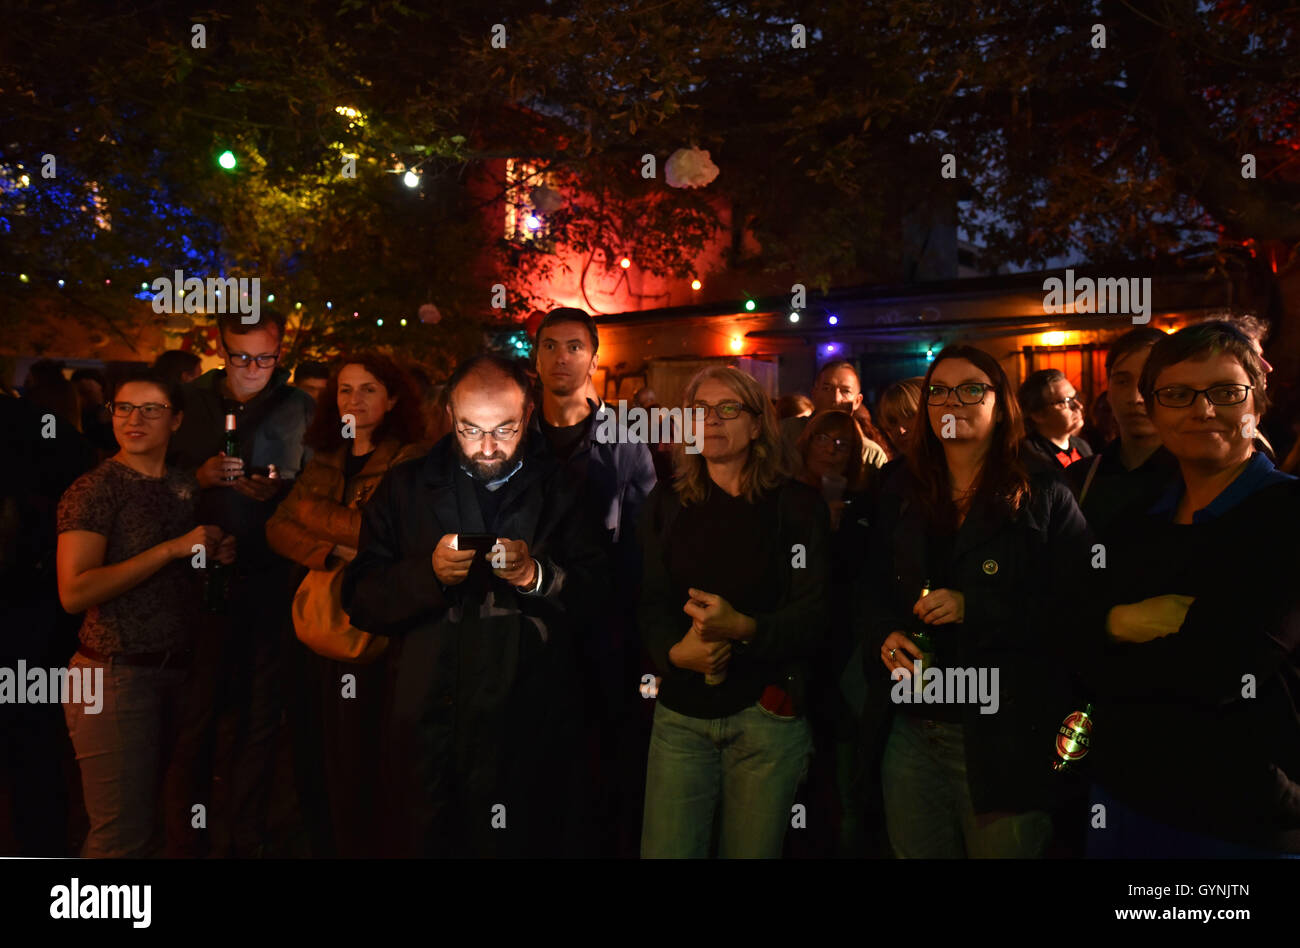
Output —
(689, 168)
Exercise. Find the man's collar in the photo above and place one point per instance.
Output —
(500, 481)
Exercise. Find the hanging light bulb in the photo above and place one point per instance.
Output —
(411, 179)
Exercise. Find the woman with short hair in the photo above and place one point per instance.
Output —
(1202, 638)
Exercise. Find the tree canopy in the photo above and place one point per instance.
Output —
(826, 129)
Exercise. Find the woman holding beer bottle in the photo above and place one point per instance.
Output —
(973, 569)
(732, 611)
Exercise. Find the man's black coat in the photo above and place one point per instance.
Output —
(483, 702)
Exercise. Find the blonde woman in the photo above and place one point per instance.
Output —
(732, 612)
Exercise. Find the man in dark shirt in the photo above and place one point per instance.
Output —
(1054, 418)
(613, 478)
(1122, 481)
(244, 648)
(485, 708)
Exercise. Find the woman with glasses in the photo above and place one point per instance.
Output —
(368, 420)
(127, 557)
(732, 610)
(973, 570)
(1054, 417)
(1198, 681)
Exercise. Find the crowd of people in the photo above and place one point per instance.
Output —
(482, 629)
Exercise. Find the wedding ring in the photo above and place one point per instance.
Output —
(892, 651)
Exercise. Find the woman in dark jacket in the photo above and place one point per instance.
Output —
(732, 612)
(318, 526)
(1196, 749)
(985, 560)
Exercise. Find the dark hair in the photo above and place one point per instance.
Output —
(93, 374)
(838, 364)
(404, 421)
(569, 314)
(839, 424)
(49, 391)
(310, 370)
(267, 318)
(1033, 392)
(510, 369)
(1201, 341)
(1140, 337)
(792, 406)
(1002, 476)
(176, 362)
(151, 376)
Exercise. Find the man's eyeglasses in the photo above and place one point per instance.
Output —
(727, 411)
(504, 433)
(968, 393)
(241, 359)
(150, 410)
(1072, 402)
(1180, 396)
(839, 444)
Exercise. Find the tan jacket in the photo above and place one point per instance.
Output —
(316, 516)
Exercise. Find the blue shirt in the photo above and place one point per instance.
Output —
(1258, 474)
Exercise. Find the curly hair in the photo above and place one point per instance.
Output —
(769, 461)
(403, 421)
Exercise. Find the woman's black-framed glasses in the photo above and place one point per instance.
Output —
(150, 410)
(727, 411)
(968, 393)
(241, 359)
(1180, 396)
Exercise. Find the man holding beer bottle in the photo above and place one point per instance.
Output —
(243, 424)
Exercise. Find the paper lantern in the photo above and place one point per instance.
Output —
(689, 168)
(428, 313)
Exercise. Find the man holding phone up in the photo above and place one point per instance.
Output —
(476, 563)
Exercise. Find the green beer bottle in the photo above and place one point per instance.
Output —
(922, 635)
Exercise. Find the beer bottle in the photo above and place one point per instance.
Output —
(922, 635)
(231, 446)
(1073, 740)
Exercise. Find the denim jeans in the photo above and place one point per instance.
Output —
(748, 765)
(928, 810)
(124, 752)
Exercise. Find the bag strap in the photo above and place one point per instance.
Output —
(1087, 483)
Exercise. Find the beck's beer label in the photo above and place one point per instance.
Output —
(1073, 739)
